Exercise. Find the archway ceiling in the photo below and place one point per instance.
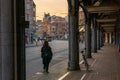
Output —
(106, 12)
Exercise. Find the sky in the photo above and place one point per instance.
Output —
(54, 7)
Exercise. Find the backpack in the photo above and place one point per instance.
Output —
(45, 54)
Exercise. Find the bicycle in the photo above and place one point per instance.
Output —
(85, 60)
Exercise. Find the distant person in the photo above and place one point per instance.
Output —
(46, 54)
(26, 40)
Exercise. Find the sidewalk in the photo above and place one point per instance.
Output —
(105, 65)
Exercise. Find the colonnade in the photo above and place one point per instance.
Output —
(12, 46)
(94, 35)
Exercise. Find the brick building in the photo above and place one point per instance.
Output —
(55, 26)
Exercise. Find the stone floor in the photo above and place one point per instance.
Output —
(105, 65)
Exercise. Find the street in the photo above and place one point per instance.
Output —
(34, 61)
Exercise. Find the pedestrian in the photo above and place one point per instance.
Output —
(46, 54)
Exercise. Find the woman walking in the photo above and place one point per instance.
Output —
(46, 54)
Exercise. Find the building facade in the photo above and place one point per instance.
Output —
(39, 29)
(59, 27)
(55, 26)
(30, 15)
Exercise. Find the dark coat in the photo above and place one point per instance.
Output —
(46, 50)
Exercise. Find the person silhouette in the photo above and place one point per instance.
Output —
(46, 54)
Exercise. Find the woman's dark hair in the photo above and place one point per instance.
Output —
(45, 43)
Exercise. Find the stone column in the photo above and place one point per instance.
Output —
(88, 36)
(94, 36)
(110, 38)
(117, 38)
(115, 34)
(103, 40)
(20, 20)
(106, 38)
(102, 37)
(6, 41)
(118, 30)
(73, 63)
(98, 36)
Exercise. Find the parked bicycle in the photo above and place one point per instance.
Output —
(85, 59)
